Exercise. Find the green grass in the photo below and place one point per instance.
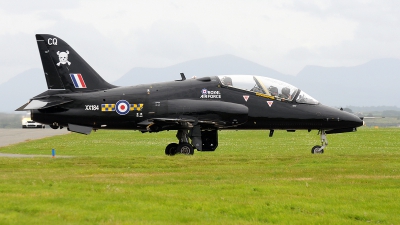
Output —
(123, 177)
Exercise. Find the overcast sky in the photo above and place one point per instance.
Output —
(285, 35)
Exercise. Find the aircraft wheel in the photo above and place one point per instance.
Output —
(185, 148)
(316, 150)
(171, 149)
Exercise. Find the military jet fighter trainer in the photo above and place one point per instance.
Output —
(81, 100)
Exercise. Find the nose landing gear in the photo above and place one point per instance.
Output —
(324, 141)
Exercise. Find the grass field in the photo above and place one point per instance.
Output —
(123, 177)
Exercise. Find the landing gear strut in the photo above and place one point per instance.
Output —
(184, 147)
(324, 141)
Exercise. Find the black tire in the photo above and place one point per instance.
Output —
(185, 148)
(315, 149)
(171, 149)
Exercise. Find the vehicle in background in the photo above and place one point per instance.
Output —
(29, 123)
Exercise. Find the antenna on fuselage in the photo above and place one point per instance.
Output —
(183, 76)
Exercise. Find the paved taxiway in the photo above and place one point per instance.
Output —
(13, 136)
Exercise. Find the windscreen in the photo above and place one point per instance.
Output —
(306, 99)
(267, 86)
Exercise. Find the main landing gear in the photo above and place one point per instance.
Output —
(55, 125)
(184, 147)
(324, 141)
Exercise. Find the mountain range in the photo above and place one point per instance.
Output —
(211, 66)
(371, 84)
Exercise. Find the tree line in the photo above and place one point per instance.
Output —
(8, 120)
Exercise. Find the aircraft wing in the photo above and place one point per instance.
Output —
(206, 114)
(159, 124)
(180, 121)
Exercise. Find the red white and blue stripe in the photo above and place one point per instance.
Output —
(77, 79)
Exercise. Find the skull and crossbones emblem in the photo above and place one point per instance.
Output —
(63, 57)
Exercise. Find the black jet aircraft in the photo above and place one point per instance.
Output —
(81, 100)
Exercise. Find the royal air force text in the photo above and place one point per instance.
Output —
(212, 94)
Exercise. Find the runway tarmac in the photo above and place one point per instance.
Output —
(13, 136)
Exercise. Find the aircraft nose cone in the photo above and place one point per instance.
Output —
(352, 120)
(338, 119)
(346, 119)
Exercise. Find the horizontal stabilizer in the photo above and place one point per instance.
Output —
(35, 104)
(22, 108)
(39, 104)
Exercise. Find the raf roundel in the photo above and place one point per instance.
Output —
(122, 107)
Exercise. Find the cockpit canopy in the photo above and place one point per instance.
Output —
(268, 87)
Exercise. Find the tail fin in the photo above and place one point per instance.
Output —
(66, 69)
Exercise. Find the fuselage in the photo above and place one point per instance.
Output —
(98, 109)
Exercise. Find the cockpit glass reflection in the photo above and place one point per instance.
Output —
(268, 87)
